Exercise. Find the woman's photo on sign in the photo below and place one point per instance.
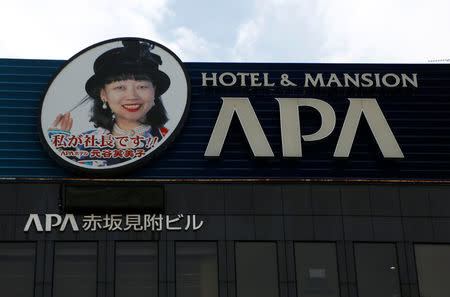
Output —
(126, 94)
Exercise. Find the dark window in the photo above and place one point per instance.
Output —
(256, 269)
(433, 269)
(196, 268)
(90, 198)
(17, 262)
(75, 269)
(136, 269)
(316, 268)
(377, 270)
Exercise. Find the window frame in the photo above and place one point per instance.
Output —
(196, 241)
(394, 244)
(336, 259)
(277, 262)
(414, 244)
(97, 262)
(116, 242)
(35, 269)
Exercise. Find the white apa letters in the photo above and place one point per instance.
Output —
(291, 136)
(51, 220)
(249, 122)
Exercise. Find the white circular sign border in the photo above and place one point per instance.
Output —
(73, 75)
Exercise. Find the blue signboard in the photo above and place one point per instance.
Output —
(266, 122)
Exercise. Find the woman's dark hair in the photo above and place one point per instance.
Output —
(156, 117)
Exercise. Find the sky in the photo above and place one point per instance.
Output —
(303, 31)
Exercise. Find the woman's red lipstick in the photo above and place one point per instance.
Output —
(132, 107)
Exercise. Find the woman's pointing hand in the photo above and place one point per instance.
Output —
(64, 121)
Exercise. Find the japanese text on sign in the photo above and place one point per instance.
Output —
(116, 222)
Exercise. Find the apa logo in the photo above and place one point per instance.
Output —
(291, 136)
(51, 221)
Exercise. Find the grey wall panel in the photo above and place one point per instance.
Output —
(239, 212)
(384, 200)
(355, 200)
(297, 199)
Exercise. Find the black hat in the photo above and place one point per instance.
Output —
(134, 58)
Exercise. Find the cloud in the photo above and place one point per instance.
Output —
(280, 30)
(56, 30)
(248, 35)
(344, 31)
(388, 31)
(258, 31)
(189, 46)
(59, 29)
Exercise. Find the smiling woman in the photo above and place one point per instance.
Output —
(128, 116)
(129, 100)
(126, 89)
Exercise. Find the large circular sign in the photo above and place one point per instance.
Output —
(114, 106)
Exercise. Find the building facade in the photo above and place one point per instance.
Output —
(347, 196)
